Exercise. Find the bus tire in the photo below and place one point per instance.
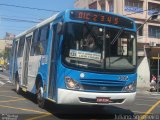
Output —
(40, 98)
(17, 85)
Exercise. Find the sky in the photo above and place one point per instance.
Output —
(8, 13)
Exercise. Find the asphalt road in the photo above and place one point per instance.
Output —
(12, 105)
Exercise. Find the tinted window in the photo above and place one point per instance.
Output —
(154, 31)
(40, 41)
(43, 39)
(34, 42)
(95, 48)
(21, 46)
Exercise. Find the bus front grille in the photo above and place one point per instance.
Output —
(103, 88)
(103, 85)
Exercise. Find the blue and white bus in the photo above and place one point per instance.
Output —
(80, 57)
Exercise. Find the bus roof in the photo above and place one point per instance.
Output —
(50, 19)
(80, 15)
(100, 11)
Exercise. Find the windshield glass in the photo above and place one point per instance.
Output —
(97, 48)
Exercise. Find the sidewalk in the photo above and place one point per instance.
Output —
(147, 91)
(4, 77)
(142, 90)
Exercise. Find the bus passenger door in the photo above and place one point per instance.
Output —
(52, 68)
(26, 58)
(13, 61)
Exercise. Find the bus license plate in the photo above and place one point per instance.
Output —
(103, 100)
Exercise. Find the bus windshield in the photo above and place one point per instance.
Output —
(96, 48)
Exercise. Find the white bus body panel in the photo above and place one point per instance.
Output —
(20, 68)
(72, 97)
(33, 66)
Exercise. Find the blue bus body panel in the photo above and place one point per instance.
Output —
(11, 64)
(95, 82)
(45, 60)
(112, 82)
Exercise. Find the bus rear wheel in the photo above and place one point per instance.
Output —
(40, 98)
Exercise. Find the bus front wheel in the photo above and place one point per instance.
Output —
(40, 98)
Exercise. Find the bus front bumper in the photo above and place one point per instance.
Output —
(81, 98)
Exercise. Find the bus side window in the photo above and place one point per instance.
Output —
(43, 39)
(40, 41)
(21, 46)
(34, 42)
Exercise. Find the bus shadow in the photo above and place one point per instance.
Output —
(87, 112)
(79, 111)
(28, 96)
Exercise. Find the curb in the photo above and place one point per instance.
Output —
(4, 77)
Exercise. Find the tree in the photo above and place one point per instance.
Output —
(1, 55)
(6, 54)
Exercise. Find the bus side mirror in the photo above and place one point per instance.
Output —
(60, 28)
(154, 16)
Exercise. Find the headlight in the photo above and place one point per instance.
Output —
(130, 87)
(71, 84)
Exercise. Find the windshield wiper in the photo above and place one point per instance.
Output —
(117, 36)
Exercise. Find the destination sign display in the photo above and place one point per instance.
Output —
(99, 17)
(85, 54)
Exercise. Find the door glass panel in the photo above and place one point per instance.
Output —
(26, 58)
(52, 75)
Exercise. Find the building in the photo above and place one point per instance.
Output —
(5, 45)
(9, 36)
(6, 42)
(148, 37)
